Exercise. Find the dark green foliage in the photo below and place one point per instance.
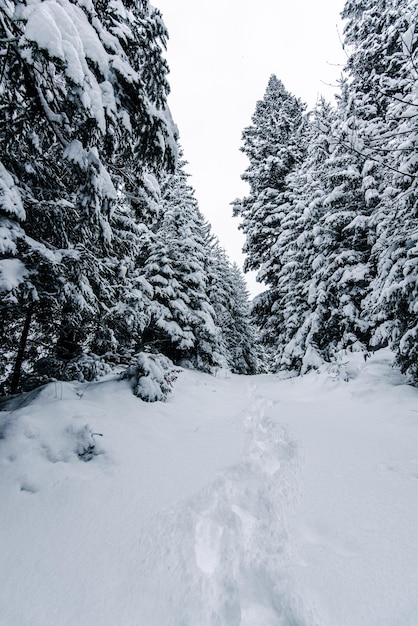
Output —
(228, 293)
(331, 219)
(78, 131)
(384, 35)
(102, 245)
(273, 147)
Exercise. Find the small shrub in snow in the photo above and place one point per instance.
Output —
(312, 360)
(346, 364)
(84, 368)
(86, 443)
(151, 376)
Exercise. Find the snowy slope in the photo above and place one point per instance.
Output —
(242, 500)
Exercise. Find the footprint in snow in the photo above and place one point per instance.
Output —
(208, 536)
(28, 487)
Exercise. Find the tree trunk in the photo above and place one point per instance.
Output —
(21, 350)
(68, 346)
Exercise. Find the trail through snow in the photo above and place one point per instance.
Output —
(242, 501)
(228, 546)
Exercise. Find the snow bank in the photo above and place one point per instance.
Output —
(241, 501)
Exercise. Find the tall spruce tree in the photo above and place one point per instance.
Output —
(82, 96)
(272, 145)
(182, 320)
(341, 262)
(294, 257)
(383, 79)
(275, 148)
(229, 296)
(334, 237)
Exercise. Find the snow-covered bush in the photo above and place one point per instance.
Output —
(84, 368)
(86, 446)
(151, 376)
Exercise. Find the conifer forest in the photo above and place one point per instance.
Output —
(106, 260)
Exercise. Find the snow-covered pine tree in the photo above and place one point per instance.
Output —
(340, 260)
(182, 319)
(273, 147)
(229, 297)
(83, 96)
(384, 79)
(168, 330)
(290, 268)
(316, 263)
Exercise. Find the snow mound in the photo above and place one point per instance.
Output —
(35, 433)
(240, 501)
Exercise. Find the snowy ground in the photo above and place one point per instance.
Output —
(242, 500)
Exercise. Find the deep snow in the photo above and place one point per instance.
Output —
(242, 500)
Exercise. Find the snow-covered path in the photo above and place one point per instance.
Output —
(241, 501)
(354, 526)
(228, 545)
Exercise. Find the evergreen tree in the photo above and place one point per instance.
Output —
(229, 297)
(383, 72)
(336, 246)
(283, 311)
(316, 263)
(273, 147)
(182, 320)
(341, 268)
(82, 95)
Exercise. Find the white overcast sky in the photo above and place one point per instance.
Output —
(221, 54)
